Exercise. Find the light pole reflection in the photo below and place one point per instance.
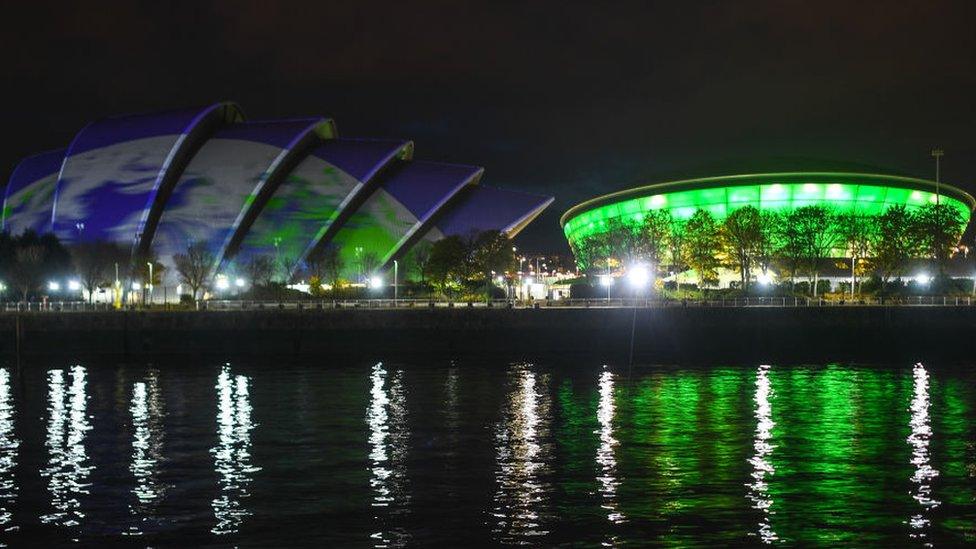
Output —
(147, 440)
(918, 439)
(605, 454)
(388, 437)
(232, 455)
(761, 465)
(67, 466)
(9, 445)
(522, 456)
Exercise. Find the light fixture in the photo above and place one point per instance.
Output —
(375, 282)
(53, 286)
(239, 282)
(764, 279)
(74, 285)
(638, 276)
(923, 279)
(222, 283)
(136, 286)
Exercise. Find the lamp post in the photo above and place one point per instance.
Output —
(150, 285)
(396, 276)
(937, 154)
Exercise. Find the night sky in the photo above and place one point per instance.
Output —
(568, 99)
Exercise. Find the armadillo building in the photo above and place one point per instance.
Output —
(157, 182)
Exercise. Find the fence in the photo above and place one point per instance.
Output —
(245, 305)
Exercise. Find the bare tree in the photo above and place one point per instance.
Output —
(194, 266)
(421, 260)
(93, 262)
(856, 233)
(368, 263)
(260, 270)
(27, 271)
(818, 225)
(741, 232)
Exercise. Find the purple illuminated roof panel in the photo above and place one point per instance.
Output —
(423, 186)
(488, 208)
(117, 129)
(29, 195)
(279, 133)
(360, 158)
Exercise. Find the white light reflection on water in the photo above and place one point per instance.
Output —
(147, 441)
(522, 456)
(68, 466)
(232, 455)
(761, 465)
(921, 435)
(605, 454)
(386, 417)
(9, 445)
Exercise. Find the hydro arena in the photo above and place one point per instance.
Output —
(157, 182)
(868, 194)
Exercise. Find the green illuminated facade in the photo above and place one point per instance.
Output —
(868, 194)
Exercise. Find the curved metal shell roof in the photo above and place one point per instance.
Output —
(160, 181)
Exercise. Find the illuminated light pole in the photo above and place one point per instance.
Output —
(150, 285)
(396, 276)
(117, 298)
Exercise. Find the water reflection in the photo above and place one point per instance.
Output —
(760, 461)
(605, 454)
(232, 455)
(522, 449)
(9, 445)
(147, 441)
(386, 417)
(921, 435)
(68, 465)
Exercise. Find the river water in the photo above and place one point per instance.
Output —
(454, 454)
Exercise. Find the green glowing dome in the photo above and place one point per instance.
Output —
(870, 194)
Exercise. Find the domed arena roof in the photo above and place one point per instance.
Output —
(866, 193)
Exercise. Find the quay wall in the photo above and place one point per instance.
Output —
(614, 335)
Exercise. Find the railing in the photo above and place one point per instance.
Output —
(246, 305)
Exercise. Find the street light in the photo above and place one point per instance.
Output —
(606, 281)
(375, 282)
(923, 279)
(937, 154)
(396, 276)
(638, 276)
(53, 286)
(150, 286)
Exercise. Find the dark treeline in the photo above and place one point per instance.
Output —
(33, 266)
(794, 243)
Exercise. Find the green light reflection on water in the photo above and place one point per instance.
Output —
(837, 435)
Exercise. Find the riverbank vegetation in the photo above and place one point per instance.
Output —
(763, 246)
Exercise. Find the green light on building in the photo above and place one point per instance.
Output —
(844, 192)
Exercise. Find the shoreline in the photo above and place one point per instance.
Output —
(614, 335)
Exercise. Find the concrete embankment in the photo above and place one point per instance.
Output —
(701, 334)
